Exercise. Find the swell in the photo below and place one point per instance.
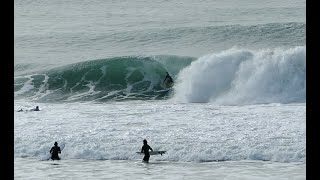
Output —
(213, 37)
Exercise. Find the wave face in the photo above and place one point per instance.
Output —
(120, 78)
(239, 76)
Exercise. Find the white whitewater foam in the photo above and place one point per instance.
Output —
(188, 132)
(238, 76)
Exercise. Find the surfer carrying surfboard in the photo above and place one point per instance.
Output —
(145, 149)
(54, 152)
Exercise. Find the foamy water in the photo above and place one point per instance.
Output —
(96, 70)
(239, 76)
(194, 133)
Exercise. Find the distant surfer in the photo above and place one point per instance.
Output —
(145, 149)
(168, 81)
(20, 110)
(54, 152)
(35, 109)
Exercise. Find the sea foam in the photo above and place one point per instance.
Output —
(238, 76)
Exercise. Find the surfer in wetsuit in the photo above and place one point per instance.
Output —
(35, 109)
(54, 152)
(169, 80)
(145, 149)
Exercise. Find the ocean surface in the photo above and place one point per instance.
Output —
(237, 109)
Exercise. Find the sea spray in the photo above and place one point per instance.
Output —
(238, 76)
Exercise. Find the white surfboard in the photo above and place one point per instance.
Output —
(154, 152)
(164, 90)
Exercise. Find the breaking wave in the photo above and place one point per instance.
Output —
(234, 76)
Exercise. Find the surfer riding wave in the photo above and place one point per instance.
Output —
(168, 81)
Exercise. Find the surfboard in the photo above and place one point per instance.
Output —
(154, 152)
(164, 90)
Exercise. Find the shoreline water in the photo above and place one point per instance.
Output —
(29, 168)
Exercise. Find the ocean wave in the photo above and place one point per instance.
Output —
(234, 76)
(238, 76)
(119, 78)
(178, 152)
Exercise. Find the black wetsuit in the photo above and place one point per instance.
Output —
(169, 82)
(169, 79)
(145, 149)
(54, 152)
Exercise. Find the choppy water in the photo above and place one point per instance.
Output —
(95, 69)
(195, 134)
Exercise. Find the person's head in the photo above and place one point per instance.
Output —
(145, 141)
(37, 107)
(55, 143)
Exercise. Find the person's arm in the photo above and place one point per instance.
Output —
(150, 148)
(59, 150)
(51, 150)
(142, 149)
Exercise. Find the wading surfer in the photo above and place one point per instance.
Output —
(145, 149)
(54, 152)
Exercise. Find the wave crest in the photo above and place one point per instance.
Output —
(238, 76)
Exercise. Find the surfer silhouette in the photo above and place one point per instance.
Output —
(145, 149)
(54, 152)
(35, 109)
(169, 81)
